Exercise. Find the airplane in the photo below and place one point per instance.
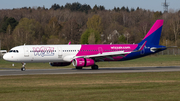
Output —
(87, 54)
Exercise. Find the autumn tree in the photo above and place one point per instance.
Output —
(122, 39)
(94, 26)
(90, 36)
(52, 31)
(84, 37)
(157, 14)
(27, 32)
(6, 39)
(71, 31)
(95, 23)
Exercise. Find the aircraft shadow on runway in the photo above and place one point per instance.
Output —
(132, 68)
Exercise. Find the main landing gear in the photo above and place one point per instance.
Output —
(23, 67)
(94, 67)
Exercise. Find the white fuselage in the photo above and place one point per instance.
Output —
(42, 53)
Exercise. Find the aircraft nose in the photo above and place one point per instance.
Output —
(6, 57)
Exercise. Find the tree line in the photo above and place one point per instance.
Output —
(82, 24)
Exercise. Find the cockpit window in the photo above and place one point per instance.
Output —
(14, 51)
(11, 51)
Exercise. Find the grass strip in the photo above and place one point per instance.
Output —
(92, 87)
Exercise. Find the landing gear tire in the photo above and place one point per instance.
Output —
(23, 66)
(78, 67)
(23, 69)
(94, 67)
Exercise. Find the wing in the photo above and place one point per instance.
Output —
(110, 55)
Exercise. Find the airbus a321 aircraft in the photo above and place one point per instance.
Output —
(87, 55)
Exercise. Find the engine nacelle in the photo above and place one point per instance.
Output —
(83, 62)
(60, 63)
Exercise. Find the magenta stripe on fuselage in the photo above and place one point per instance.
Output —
(104, 48)
(156, 26)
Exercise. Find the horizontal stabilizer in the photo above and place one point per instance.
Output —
(156, 49)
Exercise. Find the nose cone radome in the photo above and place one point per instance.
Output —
(6, 57)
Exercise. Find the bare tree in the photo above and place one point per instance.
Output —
(175, 23)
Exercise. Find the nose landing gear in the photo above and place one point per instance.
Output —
(23, 67)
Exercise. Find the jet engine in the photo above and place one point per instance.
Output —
(60, 63)
(83, 62)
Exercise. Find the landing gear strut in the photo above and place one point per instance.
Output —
(23, 67)
(94, 67)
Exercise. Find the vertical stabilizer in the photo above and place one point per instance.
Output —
(154, 34)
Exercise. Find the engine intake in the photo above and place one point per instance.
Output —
(83, 62)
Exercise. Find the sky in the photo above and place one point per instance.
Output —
(153, 5)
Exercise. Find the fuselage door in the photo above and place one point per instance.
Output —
(59, 52)
(100, 50)
(26, 52)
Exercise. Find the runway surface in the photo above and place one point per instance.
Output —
(9, 72)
